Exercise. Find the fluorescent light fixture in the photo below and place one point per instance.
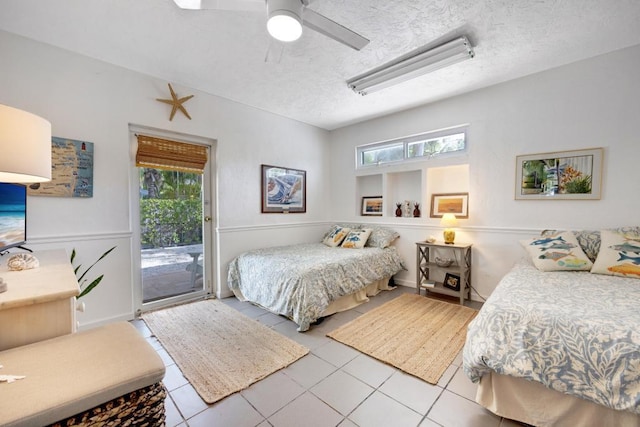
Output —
(285, 19)
(25, 146)
(412, 65)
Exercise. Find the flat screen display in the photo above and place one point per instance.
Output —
(13, 215)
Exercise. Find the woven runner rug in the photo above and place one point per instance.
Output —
(218, 349)
(418, 335)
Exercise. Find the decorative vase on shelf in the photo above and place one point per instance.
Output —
(406, 208)
(398, 209)
(416, 210)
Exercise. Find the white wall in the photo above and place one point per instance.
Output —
(89, 100)
(593, 103)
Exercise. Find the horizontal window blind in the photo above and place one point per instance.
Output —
(158, 153)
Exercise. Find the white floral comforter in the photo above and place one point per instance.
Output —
(574, 332)
(300, 281)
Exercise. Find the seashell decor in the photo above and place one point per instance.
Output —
(22, 262)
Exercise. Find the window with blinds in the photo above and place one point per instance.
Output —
(158, 153)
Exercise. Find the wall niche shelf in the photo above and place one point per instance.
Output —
(394, 187)
(409, 183)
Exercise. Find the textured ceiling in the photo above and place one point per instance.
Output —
(223, 52)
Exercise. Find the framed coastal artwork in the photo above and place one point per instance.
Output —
(71, 170)
(284, 190)
(559, 175)
(372, 206)
(455, 203)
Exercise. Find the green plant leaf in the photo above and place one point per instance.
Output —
(91, 286)
(81, 279)
(91, 266)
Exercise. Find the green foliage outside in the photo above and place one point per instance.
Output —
(170, 222)
(170, 208)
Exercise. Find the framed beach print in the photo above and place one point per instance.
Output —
(284, 190)
(455, 203)
(372, 206)
(559, 175)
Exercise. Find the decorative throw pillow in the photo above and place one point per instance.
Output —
(589, 242)
(590, 239)
(557, 252)
(356, 238)
(343, 225)
(335, 236)
(619, 255)
(381, 237)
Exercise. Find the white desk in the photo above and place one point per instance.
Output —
(39, 303)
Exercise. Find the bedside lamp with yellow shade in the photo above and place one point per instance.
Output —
(449, 221)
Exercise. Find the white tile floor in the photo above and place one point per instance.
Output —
(334, 385)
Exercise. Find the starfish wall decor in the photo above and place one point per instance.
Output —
(176, 103)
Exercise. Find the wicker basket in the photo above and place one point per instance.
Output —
(143, 407)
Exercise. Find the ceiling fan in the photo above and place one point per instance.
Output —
(285, 18)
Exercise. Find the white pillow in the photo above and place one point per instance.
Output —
(335, 236)
(356, 239)
(557, 252)
(619, 255)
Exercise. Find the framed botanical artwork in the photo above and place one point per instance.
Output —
(372, 206)
(455, 203)
(451, 281)
(559, 175)
(284, 190)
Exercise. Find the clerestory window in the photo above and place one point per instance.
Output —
(422, 146)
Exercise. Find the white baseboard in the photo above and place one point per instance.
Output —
(104, 321)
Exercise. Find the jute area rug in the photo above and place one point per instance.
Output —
(218, 349)
(418, 335)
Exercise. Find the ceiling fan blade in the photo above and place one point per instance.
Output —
(251, 5)
(274, 52)
(329, 28)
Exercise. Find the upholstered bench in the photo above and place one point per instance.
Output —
(109, 375)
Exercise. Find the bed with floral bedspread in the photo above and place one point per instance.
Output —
(300, 281)
(573, 331)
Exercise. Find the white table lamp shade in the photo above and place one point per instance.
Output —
(449, 220)
(25, 146)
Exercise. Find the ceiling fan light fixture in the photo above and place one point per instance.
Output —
(285, 19)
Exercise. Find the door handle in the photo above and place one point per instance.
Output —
(207, 219)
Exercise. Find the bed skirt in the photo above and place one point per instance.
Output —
(348, 301)
(353, 300)
(533, 403)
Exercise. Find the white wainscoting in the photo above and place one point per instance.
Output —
(495, 250)
(113, 299)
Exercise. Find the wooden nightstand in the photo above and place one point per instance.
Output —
(459, 272)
